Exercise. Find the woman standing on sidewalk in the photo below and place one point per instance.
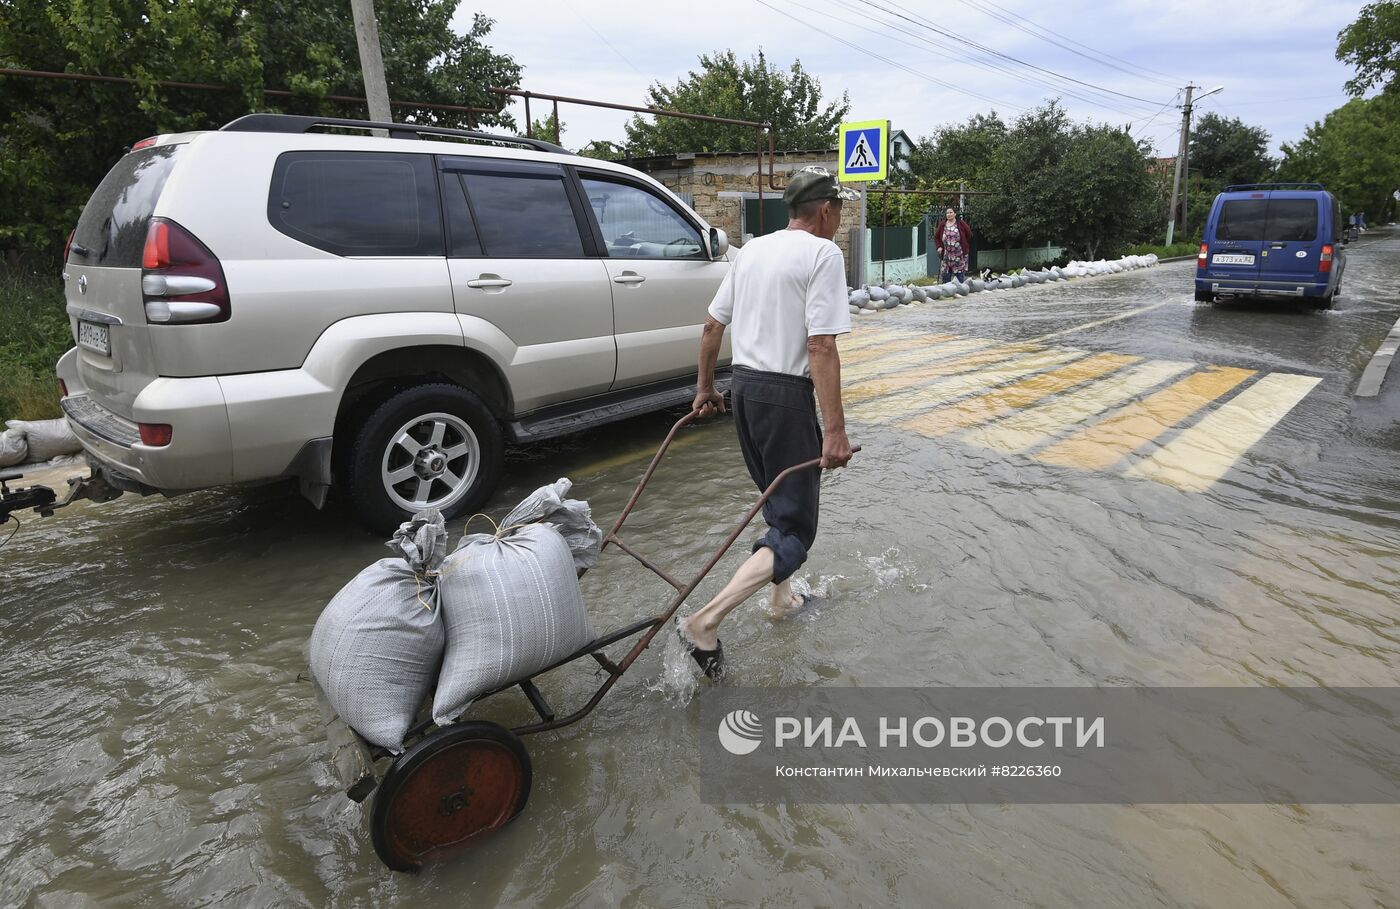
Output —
(953, 241)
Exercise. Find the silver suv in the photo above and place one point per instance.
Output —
(377, 313)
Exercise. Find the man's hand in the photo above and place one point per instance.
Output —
(708, 403)
(836, 449)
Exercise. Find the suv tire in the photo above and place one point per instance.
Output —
(428, 446)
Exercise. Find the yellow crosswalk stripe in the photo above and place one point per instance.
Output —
(984, 408)
(1110, 440)
(867, 337)
(940, 391)
(910, 358)
(1038, 425)
(899, 381)
(1203, 453)
(899, 345)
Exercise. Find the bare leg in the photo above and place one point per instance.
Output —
(782, 602)
(702, 625)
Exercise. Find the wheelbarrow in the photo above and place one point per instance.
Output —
(453, 786)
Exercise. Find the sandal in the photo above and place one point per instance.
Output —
(711, 662)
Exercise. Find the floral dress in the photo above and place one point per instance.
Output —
(954, 256)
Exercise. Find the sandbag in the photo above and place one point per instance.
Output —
(511, 607)
(13, 448)
(47, 438)
(573, 518)
(376, 647)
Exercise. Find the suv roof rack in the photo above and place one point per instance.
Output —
(293, 123)
(1240, 187)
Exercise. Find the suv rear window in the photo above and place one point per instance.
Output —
(1292, 219)
(112, 229)
(358, 203)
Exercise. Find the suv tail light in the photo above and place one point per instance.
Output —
(1325, 260)
(1201, 256)
(181, 281)
(155, 434)
(68, 245)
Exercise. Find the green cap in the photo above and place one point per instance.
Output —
(812, 184)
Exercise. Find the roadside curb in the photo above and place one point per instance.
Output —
(1177, 258)
(1374, 375)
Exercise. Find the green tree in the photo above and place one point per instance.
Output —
(603, 150)
(545, 129)
(791, 100)
(1226, 150)
(956, 153)
(1372, 45)
(1354, 152)
(1106, 194)
(60, 138)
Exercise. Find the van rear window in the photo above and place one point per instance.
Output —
(1292, 219)
(1242, 219)
(112, 229)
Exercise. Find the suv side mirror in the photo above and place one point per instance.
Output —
(719, 243)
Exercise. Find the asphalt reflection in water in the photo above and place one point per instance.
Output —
(162, 748)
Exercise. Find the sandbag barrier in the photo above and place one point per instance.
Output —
(877, 297)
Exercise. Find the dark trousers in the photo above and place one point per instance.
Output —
(776, 418)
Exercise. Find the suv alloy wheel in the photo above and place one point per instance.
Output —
(429, 446)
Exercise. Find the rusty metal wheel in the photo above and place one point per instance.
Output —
(451, 789)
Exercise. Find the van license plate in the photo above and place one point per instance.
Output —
(95, 337)
(1226, 259)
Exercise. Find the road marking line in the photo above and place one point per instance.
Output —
(1371, 379)
(1038, 425)
(941, 391)
(868, 337)
(912, 358)
(868, 353)
(984, 408)
(887, 385)
(628, 457)
(1122, 315)
(1202, 454)
(1109, 441)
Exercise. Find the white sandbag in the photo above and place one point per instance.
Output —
(962, 289)
(877, 294)
(13, 448)
(976, 285)
(47, 438)
(854, 309)
(860, 297)
(511, 607)
(376, 646)
(573, 518)
(920, 294)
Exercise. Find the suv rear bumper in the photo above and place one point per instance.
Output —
(199, 453)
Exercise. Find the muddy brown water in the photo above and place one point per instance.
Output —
(161, 749)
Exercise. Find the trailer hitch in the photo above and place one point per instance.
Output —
(44, 500)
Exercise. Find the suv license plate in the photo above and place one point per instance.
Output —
(1231, 260)
(95, 337)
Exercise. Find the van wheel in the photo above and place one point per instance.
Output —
(1325, 302)
(1205, 296)
(429, 446)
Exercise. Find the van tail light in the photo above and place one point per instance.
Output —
(1325, 260)
(68, 245)
(181, 281)
(155, 434)
(1201, 256)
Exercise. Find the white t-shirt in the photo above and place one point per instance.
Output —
(782, 289)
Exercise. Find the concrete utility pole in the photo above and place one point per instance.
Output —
(1181, 159)
(371, 60)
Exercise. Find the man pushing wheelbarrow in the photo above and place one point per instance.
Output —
(785, 298)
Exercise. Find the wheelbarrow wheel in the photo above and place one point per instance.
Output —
(449, 790)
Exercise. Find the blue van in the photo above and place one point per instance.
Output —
(1272, 239)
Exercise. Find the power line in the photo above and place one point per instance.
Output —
(864, 50)
(1015, 20)
(982, 47)
(957, 52)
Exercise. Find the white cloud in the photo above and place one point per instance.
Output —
(1261, 50)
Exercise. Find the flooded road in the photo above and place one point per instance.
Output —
(1091, 483)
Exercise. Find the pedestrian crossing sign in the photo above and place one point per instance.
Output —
(864, 150)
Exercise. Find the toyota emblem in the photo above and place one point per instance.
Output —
(82, 284)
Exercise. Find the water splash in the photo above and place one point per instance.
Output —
(678, 681)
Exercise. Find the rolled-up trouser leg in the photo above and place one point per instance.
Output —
(776, 418)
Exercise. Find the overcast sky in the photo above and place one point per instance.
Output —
(1275, 58)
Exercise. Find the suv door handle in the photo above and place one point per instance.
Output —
(628, 277)
(491, 281)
